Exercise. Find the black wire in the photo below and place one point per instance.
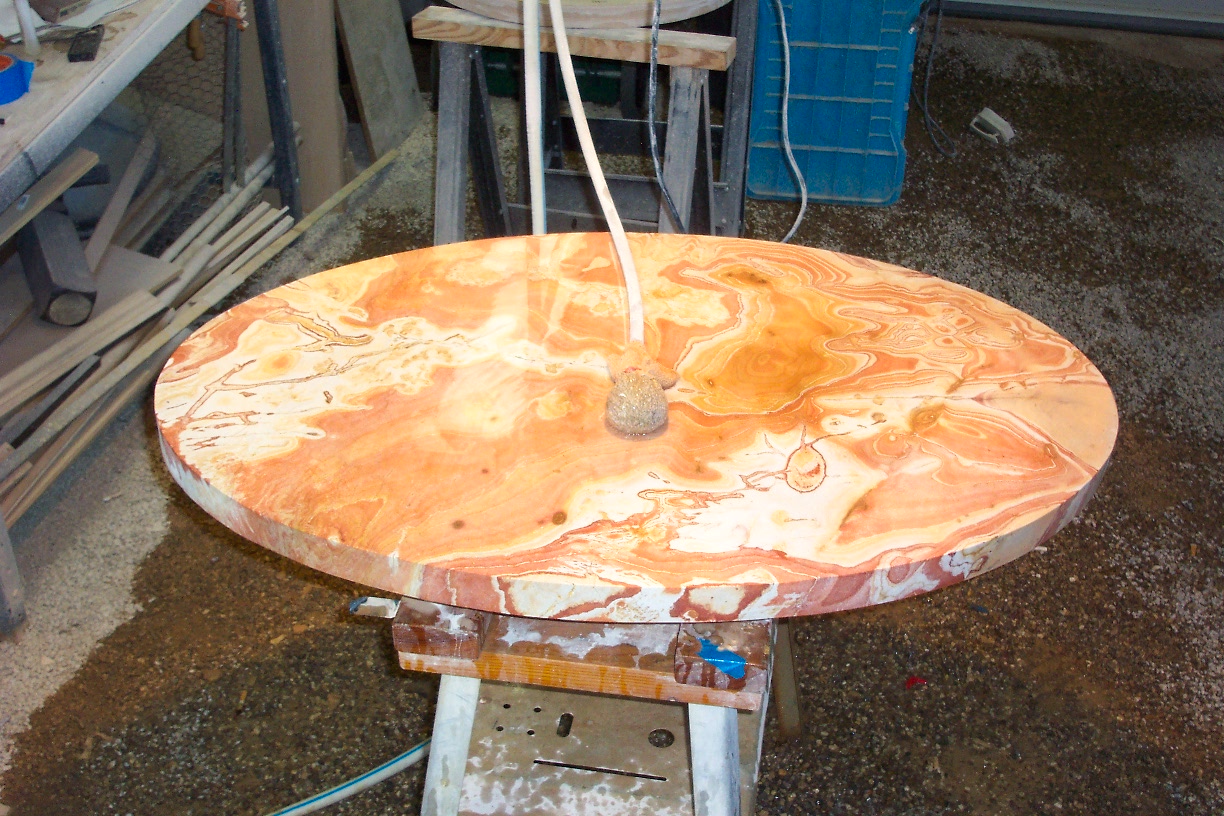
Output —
(939, 137)
(652, 89)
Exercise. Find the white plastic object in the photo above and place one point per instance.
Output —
(992, 127)
(29, 34)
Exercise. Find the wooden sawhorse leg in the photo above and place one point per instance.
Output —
(684, 122)
(448, 747)
(785, 687)
(465, 130)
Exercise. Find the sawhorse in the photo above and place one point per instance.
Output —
(465, 130)
(641, 718)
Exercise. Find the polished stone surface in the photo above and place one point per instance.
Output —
(843, 432)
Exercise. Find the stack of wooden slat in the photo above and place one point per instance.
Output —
(59, 386)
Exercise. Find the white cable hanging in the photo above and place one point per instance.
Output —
(633, 289)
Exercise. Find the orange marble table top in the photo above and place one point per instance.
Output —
(844, 432)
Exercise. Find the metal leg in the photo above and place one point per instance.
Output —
(486, 166)
(448, 747)
(454, 110)
(12, 593)
(231, 108)
(714, 744)
(280, 115)
(680, 156)
(785, 689)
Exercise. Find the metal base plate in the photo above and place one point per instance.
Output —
(543, 751)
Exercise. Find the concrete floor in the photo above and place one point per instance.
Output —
(170, 667)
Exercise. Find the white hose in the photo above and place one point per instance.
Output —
(330, 797)
(633, 289)
(29, 28)
(534, 103)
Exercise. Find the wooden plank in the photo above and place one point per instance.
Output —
(425, 628)
(108, 222)
(375, 46)
(163, 336)
(15, 298)
(594, 13)
(44, 191)
(309, 39)
(632, 660)
(22, 422)
(677, 48)
(38, 372)
(733, 655)
(683, 121)
(222, 243)
(123, 272)
(73, 441)
(143, 207)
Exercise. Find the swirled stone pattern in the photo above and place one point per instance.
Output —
(844, 432)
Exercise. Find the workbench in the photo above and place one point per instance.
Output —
(844, 433)
(64, 97)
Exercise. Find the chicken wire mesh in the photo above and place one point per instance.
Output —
(180, 97)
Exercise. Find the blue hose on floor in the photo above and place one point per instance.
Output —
(367, 779)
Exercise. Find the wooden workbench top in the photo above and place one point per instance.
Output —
(844, 432)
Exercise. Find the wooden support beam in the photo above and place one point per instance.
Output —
(44, 191)
(732, 655)
(380, 66)
(631, 660)
(108, 223)
(677, 48)
(425, 628)
(28, 379)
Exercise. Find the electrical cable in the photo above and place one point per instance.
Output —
(652, 88)
(360, 783)
(939, 137)
(533, 99)
(633, 289)
(786, 142)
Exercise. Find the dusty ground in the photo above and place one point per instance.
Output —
(1084, 679)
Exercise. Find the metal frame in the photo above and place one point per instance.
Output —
(280, 114)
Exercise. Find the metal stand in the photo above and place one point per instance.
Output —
(529, 718)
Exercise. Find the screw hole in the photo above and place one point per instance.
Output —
(661, 738)
(537, 709)
(505, 705)
(500, 728)
(530, 733)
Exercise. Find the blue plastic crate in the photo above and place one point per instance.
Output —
(851, 66)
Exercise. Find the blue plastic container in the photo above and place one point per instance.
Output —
(851, 66)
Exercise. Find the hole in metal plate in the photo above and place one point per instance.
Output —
(661, 738)
(564, 723)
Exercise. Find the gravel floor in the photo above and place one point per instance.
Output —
(170, 667)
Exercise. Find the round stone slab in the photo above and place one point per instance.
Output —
(844, 432)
